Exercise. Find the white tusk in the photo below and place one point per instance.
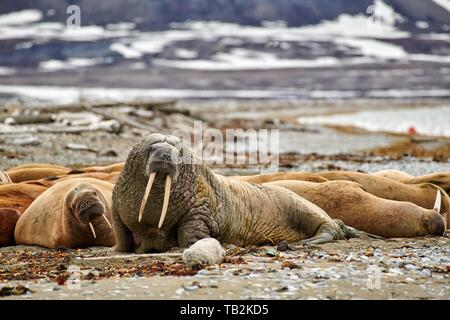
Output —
(437, 203)
(165, 202)
(92, 229)
(147, 192)
(106, 219)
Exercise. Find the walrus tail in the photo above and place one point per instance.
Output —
(4, 178)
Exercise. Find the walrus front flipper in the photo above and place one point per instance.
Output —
(354, 233)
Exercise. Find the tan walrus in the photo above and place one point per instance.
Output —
(349, 202)
(269, 177)
(423, 195)
(27, 174)
(37, 165)
(73, 213)
(441, 179)
(19, 196)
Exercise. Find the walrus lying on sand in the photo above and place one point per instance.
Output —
(27, 174)
(423, 195)
(8, 220)
(348, 202)
(203, 204)
(441, 179)
(73, 213)
(50, 181)
(19, 196)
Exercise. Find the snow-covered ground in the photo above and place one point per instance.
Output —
(427, 121)
(370, 38)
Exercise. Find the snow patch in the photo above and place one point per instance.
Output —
(20, 17)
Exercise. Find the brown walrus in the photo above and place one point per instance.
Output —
(203, 204)
(73, 213)
(8, 220)
(28, 174)
(349, 202)
(423, 194)
(441, 179)
(19, 196)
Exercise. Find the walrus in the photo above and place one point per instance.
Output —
(28, 174)
(73, 213)
(50, 181)
(423, 194)
(4, 178)
(347, 201)
(19, 196)
(8, 220)
(203, 205)
(441, 179)
(38, 165)
(116, 167)
(269, 177)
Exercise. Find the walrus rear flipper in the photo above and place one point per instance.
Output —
(4, 178)
(354, 233)
(328, 233)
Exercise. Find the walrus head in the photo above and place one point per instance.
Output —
(165, 155)
(435, 222)
(87, 204)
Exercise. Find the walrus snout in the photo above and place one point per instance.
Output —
(435, 224)
(164, 159)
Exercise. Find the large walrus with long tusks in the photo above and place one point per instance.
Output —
(166, 197)
(75, 213)
(347, 201)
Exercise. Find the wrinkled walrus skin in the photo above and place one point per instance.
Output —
(61, 216)
(347, 201)
(203, 204)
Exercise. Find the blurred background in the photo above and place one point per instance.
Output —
(381, 66)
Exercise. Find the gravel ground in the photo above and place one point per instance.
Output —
(353, 269)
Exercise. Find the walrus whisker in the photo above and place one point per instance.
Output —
(437, 203)
(147, 192)
(166, 201)
(92, 229)
(106, 219)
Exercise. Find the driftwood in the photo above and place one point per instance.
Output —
(124, 121)
(28, 119)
